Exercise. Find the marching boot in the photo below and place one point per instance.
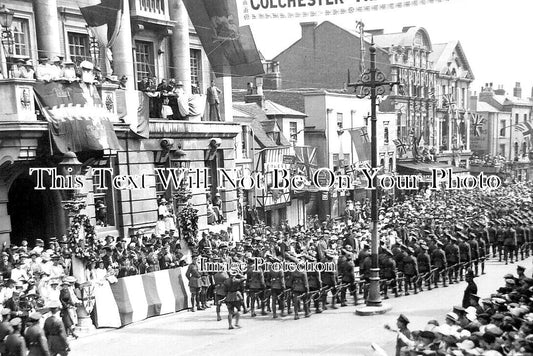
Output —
(230, 319)
(324, 299)
(282, 307)
(296, 309)
(192, 302)
(306, 310)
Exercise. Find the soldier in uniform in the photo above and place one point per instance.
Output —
(220, 292)
(205, 282)
(482, 251)
(491, 238)
(465, 254)
(424, 266)
(329, 281)
(509, 243)
(5, 329)
(300, 289)
(34, 337)
(233, 287)
(347, 275)
(410, 271)
(474, 250)
(314, 279)
(194, 276)
(255, 280)
(277, 288)
(388, 272)
(520, 239)
(500, 237)
(15, 344)
(453, 259)
(438, 257)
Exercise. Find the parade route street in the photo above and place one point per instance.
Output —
(334, 332)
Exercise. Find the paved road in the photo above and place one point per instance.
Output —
(334, 332)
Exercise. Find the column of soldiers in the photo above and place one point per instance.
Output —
(425, 244)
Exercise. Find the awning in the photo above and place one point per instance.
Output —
(425, 167)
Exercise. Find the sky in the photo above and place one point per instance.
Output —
(496, 35)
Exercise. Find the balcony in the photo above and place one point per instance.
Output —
(151, 12)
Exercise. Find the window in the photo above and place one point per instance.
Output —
(293, 131)
(336, 162)
(196, 67)
(525, 117)
(517, 118)
(502, 127)
(244, 142)
(391, 164)
(21, 41)
(463, 97)
(502, 149)
(79, 48)
(104, 201)
(212, 166)
(386, 135)
(516, 149)
(339, 120)
(144, 60)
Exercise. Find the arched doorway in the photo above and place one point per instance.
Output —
(34, 213)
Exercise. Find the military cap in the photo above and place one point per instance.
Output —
(520, 268)
(426, 334)
(36, 316)
(402, 318)
(15, 321)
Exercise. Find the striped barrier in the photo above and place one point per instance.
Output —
(136, 298)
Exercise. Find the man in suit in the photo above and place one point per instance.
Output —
(213, 101)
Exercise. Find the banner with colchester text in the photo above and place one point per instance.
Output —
(254, 10)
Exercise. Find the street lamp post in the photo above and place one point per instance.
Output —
(6, 20)
(372, 84)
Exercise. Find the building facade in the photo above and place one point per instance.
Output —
(156, 39)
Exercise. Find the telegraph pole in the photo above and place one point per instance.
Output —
(372, 84)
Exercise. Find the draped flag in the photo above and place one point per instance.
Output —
(133, 108)
(476, 124)
(136, 298)
(231, 49)
(306, 160)
(78, 120)
(104, 18)
(361, 141)
(525, 128)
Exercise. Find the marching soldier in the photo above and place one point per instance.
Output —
(491, 238)
(194, 276)
(474, 250)
(410, 270)
(347, 275)
(300, 288)
(277, 288)
(255, 280)
(453, 259)
(388, 272)
(520, 239)
(465, 254)
(509, 243)
(233, 287)
(482, 251)
(220, 292)
(329, 281)
(315, 286)
(438, 257)
(424, 266)
(15, 344)
(500, 237)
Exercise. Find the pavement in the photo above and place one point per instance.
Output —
(334, 332)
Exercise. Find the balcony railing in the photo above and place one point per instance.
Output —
(156, 9)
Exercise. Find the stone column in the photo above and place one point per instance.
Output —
(123, 62)
(180, 44)
(47, 28)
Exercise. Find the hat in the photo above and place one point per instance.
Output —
(86, 65)
(520, 268)
(402, 318)
(179, 83)
(54, 281)
(54, 304)
(452, 316)
(466, 345)
(15, 322)
(426, 334)
(35, 316)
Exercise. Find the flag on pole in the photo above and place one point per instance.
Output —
(525, 128)
(400, 146)
(361, 141)
(103, 16)
(306, 160)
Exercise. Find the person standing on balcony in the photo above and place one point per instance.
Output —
(214, 101)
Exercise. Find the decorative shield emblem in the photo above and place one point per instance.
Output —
(87, 296)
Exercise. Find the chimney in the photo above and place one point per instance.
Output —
(500, 90)
(486, 94)
(308, 34)
(376, 32)
(257, 96)
(473, 102)
(517, 91)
